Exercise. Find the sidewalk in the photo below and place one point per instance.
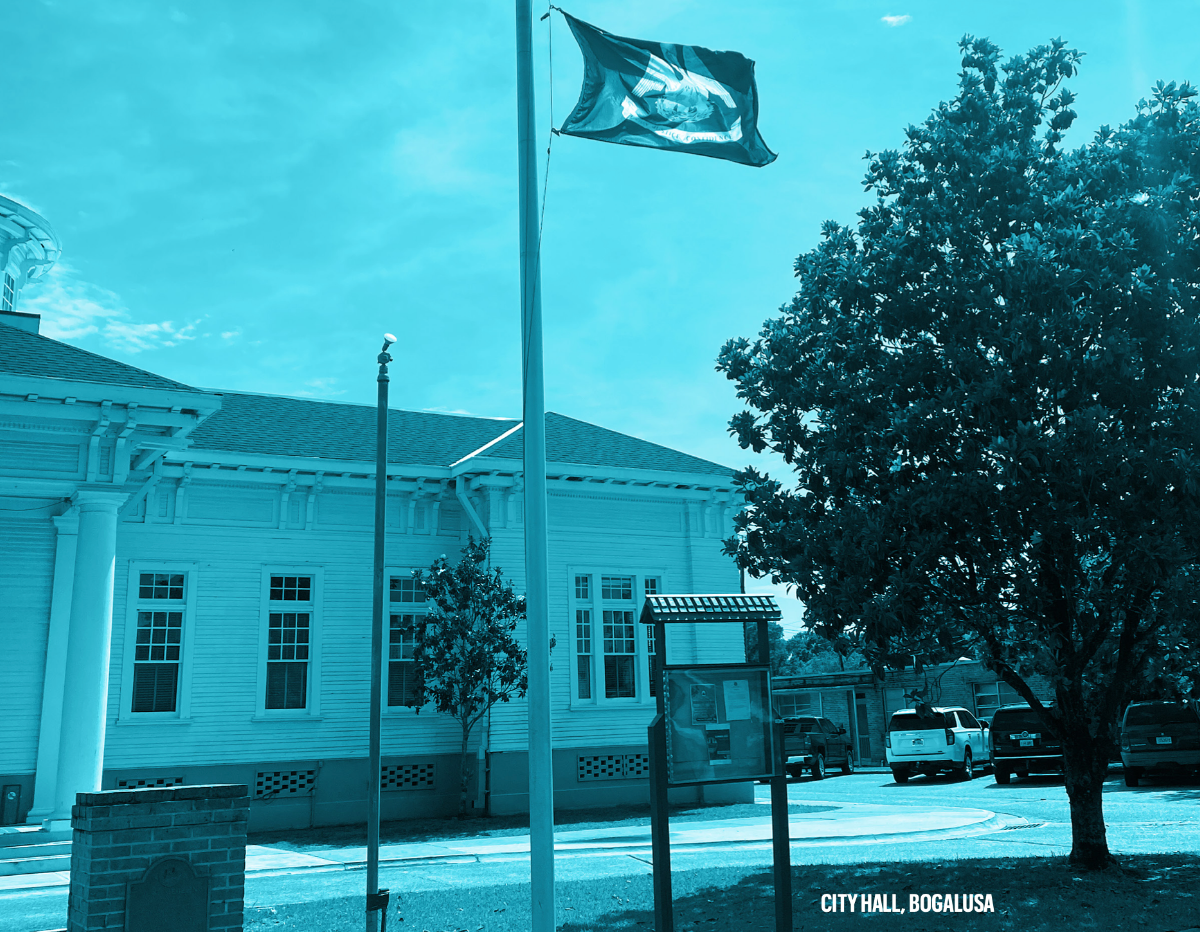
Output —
(845, 823)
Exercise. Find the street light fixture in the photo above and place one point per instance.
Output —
(377, 900)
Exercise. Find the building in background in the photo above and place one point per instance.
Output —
(185, 589)
(864, 703)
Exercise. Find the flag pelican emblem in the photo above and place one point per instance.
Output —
(680, 97)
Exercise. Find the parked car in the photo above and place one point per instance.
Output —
(1161, 737)
(943, 740)
(1020, 744)
(812, 743)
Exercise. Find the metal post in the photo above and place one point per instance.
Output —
(660, 824)
(781, 842)
(376, 898)
(541, 759)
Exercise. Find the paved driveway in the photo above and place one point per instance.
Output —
(1159, 817)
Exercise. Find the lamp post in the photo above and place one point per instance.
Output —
(377, 900)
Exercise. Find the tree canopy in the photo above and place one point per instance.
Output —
(804, 653)
(987, 390)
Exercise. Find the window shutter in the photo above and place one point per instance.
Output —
(297, 675)
(276, 677)
(155, 686)
(287, 685)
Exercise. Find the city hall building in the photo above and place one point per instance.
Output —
(185, 587)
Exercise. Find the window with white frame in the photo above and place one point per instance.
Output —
(583, 638)
(158, 641)
(612, 656)
(289, 641)
(620, 641)
(408, 601)
(8, 298)
(651, 586)
(990, 696)
(794, 702)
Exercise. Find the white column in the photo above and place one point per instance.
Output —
(85, 691)
(56, 667)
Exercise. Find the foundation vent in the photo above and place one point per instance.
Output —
(139, 783)
(272, 783)
(407, 776)
(613, 766)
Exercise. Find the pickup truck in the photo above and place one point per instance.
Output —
(811, 743)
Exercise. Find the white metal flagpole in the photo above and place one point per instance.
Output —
(541, 761)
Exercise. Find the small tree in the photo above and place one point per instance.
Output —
(466, 655)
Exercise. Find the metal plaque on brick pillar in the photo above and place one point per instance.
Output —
(715, 724)
(169, 895)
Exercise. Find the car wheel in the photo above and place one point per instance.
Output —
(900, 774)
(1132, 775)
(818, 766)
(967, 770)
(848, 767)
(1003, 776)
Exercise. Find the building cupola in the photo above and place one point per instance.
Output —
(28, 249)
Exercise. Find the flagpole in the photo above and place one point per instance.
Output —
(541, 761)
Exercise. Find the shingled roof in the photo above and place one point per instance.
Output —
(31, 354)
(279, 426)
(572, 441)
(271, 425)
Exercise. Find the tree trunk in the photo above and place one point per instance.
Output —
(463, 776)
(1089, 839)
(1085, 767)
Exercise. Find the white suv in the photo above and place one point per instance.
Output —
(943, 740)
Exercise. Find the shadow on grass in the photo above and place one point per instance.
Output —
(1161, 892)
(1153, 892)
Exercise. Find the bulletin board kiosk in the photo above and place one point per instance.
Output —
(715, 724)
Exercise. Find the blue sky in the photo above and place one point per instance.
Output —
(248, 194)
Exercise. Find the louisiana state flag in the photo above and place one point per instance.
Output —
(679, 97)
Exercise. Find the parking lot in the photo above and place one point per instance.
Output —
(1160, 816)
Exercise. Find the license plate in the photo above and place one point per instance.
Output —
(1026, 742)
(1166, 740)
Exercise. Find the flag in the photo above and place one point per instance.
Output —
(679, 97)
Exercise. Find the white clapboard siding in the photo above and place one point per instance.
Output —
(27, 540)
(230, 535)
(651, 539)
(228, 615)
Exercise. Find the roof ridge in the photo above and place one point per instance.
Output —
(358, 404)
(103, 360)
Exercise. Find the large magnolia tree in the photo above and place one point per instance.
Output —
(987, 390)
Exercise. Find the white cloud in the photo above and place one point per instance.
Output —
(73, 309)
(320, 388)
(896, 20)
(133, 338)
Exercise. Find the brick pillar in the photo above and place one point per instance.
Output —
(120, 834)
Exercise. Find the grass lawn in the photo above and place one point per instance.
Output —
(1153, 892)
(424, 830)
